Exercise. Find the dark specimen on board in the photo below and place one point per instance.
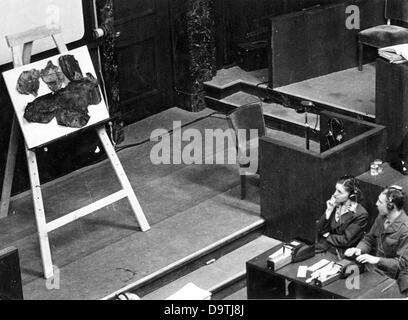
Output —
(29, 82)
(69, 105)
(72, 118)
(42, 109)
(80, 94)
(70, 67)
(52, 76)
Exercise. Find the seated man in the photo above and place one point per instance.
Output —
(386, 245)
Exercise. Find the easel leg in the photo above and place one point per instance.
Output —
(40, 214)
(9, 170)
(124, 181)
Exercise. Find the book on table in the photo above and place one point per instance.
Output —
(395, 54)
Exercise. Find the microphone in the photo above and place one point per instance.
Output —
(306, 105)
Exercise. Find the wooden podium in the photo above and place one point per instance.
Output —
(391, 100)
(21, 47)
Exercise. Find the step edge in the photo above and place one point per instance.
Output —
(184, 260)
(227, 281)
(228, 278)
(233, 83)
(218, 287)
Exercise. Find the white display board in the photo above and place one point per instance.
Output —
(20, 15)
(38, 134)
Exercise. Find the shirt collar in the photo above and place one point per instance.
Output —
(353, 207)
(394, 218)
(350, 209)
(398, 221)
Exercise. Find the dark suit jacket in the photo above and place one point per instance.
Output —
(391, 245)
(347, 232)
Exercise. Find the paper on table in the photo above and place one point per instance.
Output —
(323, 270)
(320, 271)
(401, 49)
(302, 272)
(319, 265)
(327, 272)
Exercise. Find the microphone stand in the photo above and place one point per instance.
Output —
(306, 107)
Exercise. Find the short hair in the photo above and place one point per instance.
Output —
(352, 186)
(395, 195)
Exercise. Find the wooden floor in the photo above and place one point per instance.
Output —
(230, 76)
(188, 207)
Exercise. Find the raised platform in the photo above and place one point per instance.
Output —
(105, 252)
(214, 276)
(349, 92)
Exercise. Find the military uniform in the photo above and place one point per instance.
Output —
(390, 244)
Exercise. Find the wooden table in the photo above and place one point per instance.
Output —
(263, 283)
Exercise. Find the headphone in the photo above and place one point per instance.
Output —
(353, 196)
(336, 132)
(354, 192)
(394, 194)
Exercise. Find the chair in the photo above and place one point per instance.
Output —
(385, 35)
(246, 117)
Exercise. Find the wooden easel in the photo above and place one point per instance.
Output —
(21, 46)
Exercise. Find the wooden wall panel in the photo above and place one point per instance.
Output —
(137, 78)
(323, 43)
(130, 9)
(240, 21)
(290, 192)
(144, 55)
(391, 105)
